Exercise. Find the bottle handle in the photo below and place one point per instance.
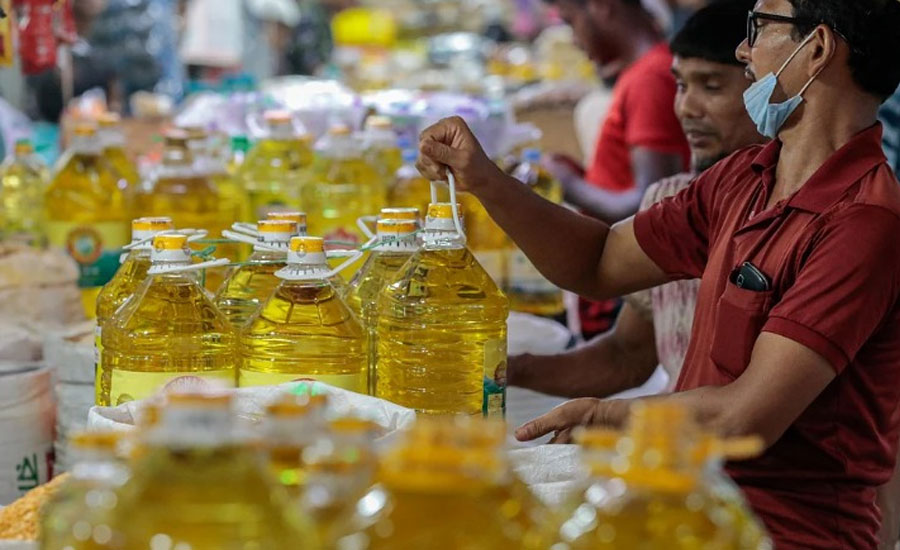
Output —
(351, 255)
(363, 224)
(192, 235)
(244, 228)
(454, 207)
(247, 239)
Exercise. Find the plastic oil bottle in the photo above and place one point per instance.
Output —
(23, 180)
(488, 242)
(86, 214)
(304, 330)
(395, 244)
(196, 486)
(652, 492)
(231, 191)
(442, 327)
(168, 329)
(275, 170)
(247, 286)
(410, 189)
(127, 279)
(439, 494)
(340, 468)
(528, 290)
(112, 141)
(78, 515)
(379, 143)
(291, 425)
(344, 187)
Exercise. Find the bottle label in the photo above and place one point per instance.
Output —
(128, 386)
(95, 247)
(494, 404)
(355, 382)
(525, 278)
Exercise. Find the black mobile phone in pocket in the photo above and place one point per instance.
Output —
(750, 277)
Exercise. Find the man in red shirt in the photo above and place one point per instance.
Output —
(797, 332)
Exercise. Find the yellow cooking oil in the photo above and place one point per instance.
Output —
(409, 188)
(86, 214)
(23, 180)
(197, 486)
(292, 424)
(340, 468)
(441, 328)
(653, 491)
(380, 146)
(248, 285)
(78, 515)
(277, 167)
(169, 328)
(112, 140)
(127, 279)
(528, 290)
(394, 246)
(436, 493)
(487, 241)
(344, 187)
(304, 330)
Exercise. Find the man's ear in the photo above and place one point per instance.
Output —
(824, 49)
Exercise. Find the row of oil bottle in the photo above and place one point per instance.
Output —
(188, 478)
(421, 323)
(204, 182)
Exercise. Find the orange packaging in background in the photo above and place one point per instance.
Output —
(6, 32)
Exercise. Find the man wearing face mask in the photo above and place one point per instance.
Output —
(796, 337)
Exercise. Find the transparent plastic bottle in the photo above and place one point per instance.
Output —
(528, 290)
(410, 189)
(78, 516)
(277, 167)
(291, 425)
(127, 279)
(168, 329)
(304, 330)
(23, 180)
(87, 214)
(196, 486)
(340, 468)
(486, 239)
(183, 190)
(381, 148)
(394, 246)
(442, 328)
(437, 492)
(344, 188)
(112, 142)
(649, 489)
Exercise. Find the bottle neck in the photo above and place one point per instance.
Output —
(85, 145)
(442, 239)
(98, 465)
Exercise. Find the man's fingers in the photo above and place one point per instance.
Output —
(441, 153)
(562, 437)
(431, 170)
(541, 426)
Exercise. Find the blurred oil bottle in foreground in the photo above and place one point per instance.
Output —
(344, 187)
(112, 142)
(305, 329)
(660, 486)
(440, 492)
(196, 486)
(247, 286)
(292, 424)
(78, 515)
(442, 328)
(277, 168)
(23, 180)
(86, 214)
(528, 290)
(395, 244)
(127, 279)
(380, 148)
(169, 328)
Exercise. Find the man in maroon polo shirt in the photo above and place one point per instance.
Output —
(797, 332)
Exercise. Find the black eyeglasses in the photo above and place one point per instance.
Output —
(754, 17)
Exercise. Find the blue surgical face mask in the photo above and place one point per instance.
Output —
(771, 117)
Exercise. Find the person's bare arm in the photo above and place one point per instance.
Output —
(647, 167)
(781, 381)
(618, 360)
(575, 252)
(889, 504)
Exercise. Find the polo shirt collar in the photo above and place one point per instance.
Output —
(842, 169)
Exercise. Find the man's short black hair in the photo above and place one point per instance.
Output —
(714, 32)
(872, 29)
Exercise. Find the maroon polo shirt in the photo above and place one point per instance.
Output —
(832, 252)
